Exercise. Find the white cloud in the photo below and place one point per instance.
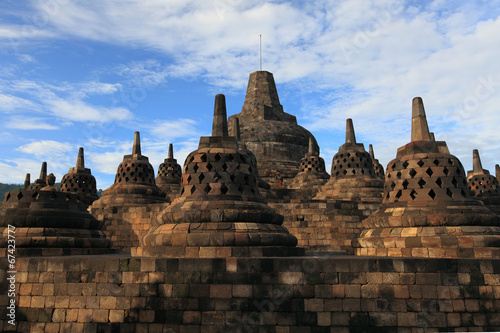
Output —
(9, 103)
(28, 123)
(168, 130)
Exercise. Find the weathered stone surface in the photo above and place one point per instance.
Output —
(169, 175)
(49, 222)
(427, 209)
(483, 185)
(129, 206)
(41, 181)
(220, 212)
(377, 167)
(79, 180)
(270, 133)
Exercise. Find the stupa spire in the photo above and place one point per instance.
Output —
(27, 180)
(476, 162)
(171, 151)
(370, 150)
(43, 171)
(419, 126)
(497, 171)
(136, 148)
(350, 136)
(311, 146)
(80, 161)
(219, 126)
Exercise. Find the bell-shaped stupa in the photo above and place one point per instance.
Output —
(219, 212)
(377, 167)
(80, 180)
(312, 174)
(352, 176)
(483, 185)
(129, 205)
(169, 175)
(50, 222)
(427, 208)
(273, 135)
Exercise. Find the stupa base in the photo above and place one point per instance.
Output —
(216, 251)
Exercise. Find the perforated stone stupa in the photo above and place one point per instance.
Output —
(483, 185)
(312, 174)
(80, 180)
(50, 222)
(427, 210)
(377, 167)
(41, 181)
(270, 133)
(169, 175)
(129, 205)
(352, 176)
(220, 212)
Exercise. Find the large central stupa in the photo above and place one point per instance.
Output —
(273, 135)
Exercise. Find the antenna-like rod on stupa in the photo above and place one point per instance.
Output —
(476, 162)
(27, 180)
(370, 150)
(80, 161)
(260, 51)
(350, 137)
(419, 127)
(136, 148)
(219, 126)
(171, 151)
(43, 171)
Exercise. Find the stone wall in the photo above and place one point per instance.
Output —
(334, 294)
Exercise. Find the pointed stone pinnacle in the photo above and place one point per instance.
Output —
(136, 148)
(370, 148)
(311, 144)
(497, 171)
(236, 128)
(431, 135)
(476, 162)
(350, 136)
(219, 126)
(171, 151)
(27, 180)
(80, 161)
(43, 171)
(419, 127)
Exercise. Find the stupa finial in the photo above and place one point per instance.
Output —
(219, 127)
(419, 126)
(27, 180)
(497, 171)
(370, 150)
(136, 148)
(171, 151)
(311, 146)
(43, 171)
(350, 136)
(236, 129)
(476, 162)
(80, 161)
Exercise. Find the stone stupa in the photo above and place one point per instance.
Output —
(40, 182)
(79, 180)
(49, 222)
(377, 167)
(428, 210)
(130, 204)
(220, 212)
(483, 185)
(273, 135)
(169, 175)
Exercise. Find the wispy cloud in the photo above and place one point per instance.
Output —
(28, 123)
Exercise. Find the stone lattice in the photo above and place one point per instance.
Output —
(132, 202)
(352, 175)
(220, 212)
(377, 167)
(50, 222)
(427, 209)
(483, 185)
(270, 133)
(79, 180)
(169, 175)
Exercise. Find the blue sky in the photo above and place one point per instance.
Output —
(82, 73)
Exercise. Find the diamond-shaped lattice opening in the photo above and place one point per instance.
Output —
(240, 189)
(230, 157)
(189, 178)
(209, 166)
(345, 172)
(249, 169)
(195, 167)
(463, 193)
(399, 175)
(388, 195)
(67, 198)
(405, 184)
(405, 164)
(224, 166)
(201, 177)
(454, 182)
(436, 162)
(128, 169)
(8, 197)
(352, 159)
(393, 185)
(19, 196)
(449, 193)
(193, 188)
(243, 159)
(344, 160)
(446, 171)
(389, 175)
(217, 177)
(399, 194)
(393, 166)
(246, 178)
(217, 157)
(459, 171)
(362, 171)
(233, 178)
(340, 166)
(432, 194)
(182, 191)
(439, 182)
(204, 157)
(35, 195)
(450, 161)
(191, 159)
(207, 188)
(429, 171)
(353, 171)
(421, 183)
(348, 165)
(412, 173)
(223, 189)
(420, 163)
(413, 194)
